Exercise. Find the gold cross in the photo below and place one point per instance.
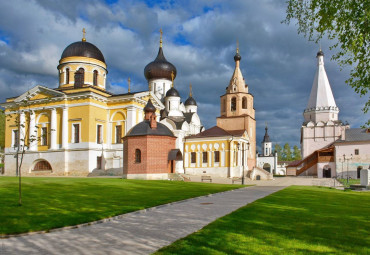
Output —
(129, 82)
(160, 41)
(237, 46)
(191, 92)
(83, 35)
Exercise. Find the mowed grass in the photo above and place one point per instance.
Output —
(296, 220)
(49, 203)
(350, 182)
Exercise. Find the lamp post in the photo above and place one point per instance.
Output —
(242, 150)
(347, 159)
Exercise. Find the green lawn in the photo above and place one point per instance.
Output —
(56, 202)
(350, 182)
(296, 220)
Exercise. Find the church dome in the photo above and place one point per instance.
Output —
(172, 92)
(190, 101)
(143, 128)
(160, 68)
(83, 49)
(237, 57)
(320, 53)
(149, 107)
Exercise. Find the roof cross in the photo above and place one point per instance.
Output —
(191, 91)
(83, 35)
(129, 82)
(172, 77)
(160, 41)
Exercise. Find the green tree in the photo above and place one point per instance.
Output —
(347, 24)
(287, 153)
(2, 129)
(296, 153)
(279, 151)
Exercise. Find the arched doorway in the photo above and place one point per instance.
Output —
(174, 155)
(326, 171)
(359, 172)
(267, 167)
(258, 177)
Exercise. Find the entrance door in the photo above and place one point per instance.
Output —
(172, 170)
(327, 173)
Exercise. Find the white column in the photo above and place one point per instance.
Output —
(53, 131)
(33, 132)
(131, 117)
(22, 132)
(65, 128)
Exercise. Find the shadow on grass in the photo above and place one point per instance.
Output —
(297, 220)
(56, 202)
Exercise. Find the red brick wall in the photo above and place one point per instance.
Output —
(154, 154)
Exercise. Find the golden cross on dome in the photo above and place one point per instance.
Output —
(172, 77)
(83, 35)
(129, 82)
(237, 46)
(160, 41)
(191, 91)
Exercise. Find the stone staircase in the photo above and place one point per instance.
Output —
(175, 177)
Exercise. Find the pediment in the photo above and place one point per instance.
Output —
(38, 93)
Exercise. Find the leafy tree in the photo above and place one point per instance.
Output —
(287, 153)
(279, 151)
(296, 153)
(347, 24)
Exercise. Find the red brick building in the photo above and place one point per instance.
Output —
(149, 149)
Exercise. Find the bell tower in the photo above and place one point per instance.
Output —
(237, 111)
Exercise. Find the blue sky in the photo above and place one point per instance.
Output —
(199, 38)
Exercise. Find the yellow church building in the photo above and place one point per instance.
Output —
(77, 128)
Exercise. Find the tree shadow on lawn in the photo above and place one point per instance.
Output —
(297, 220)
(56, 202)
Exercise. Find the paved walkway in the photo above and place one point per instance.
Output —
(138, 233)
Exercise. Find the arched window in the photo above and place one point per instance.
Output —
(67, 76)
(233, 104)
(79, 78)
(42, 165)
(137, 156)
(244, 103)
(95, 80)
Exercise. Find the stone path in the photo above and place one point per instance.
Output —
(138, 233)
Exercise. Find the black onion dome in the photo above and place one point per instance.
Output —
(237, 57)
(266, 138)
(159, 68)
(83, 49)
(320, 53)
(172, 92)
(149, 107)
(143, 128)
(190, 101)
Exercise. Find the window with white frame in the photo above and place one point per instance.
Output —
(15, 138)
(99, 134)
(76, 133)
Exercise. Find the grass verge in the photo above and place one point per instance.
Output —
(57, 202)
(350, 182)
(296, 220)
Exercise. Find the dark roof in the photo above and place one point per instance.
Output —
(356, 135)
(266, 138)
(188, 116)
(217, 131)
(175, 154)
(143, 128)
(172, 92)
(190, 101)
(320, 53)
(149, 107)
(295, 163)
(83, 49)
(159, 68)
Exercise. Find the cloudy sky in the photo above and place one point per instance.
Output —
(199, 38)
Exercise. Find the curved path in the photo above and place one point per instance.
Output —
(138, 232)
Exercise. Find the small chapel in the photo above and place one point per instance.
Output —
(329, 147)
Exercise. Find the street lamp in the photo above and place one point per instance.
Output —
(243, 159)
(347, 159)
